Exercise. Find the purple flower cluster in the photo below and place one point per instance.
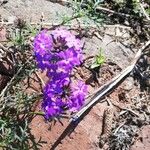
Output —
(58, 53)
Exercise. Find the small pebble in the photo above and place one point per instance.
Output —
(12, 19)
(3, 2)
(128, 84)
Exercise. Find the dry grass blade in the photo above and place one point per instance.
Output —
(144, 12)
(9, 84)
(3, 47)
(73, 26)
(111, 11)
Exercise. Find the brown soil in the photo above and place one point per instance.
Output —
(143, 140)
(58, 136)
(86, 133)
(65, 135)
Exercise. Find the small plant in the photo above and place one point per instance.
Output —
(15, 103)
(99, 60)
(123, 138)
(88, 8)
(15, 134)
(58, 53)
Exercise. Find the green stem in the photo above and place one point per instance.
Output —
(37, 113)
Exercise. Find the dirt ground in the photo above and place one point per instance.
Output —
(86, 133)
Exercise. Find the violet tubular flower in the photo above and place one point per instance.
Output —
(69, 59)
(58, 53)
(42, 48)
(71, 41)
(61, 33)
(52, 109)
(77, 97)
(52, 102)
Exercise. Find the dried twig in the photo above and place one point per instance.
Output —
(130, 111)
(48, 24)
(3, 47)
(39, 77)
(62, 2)
(112, 11)
(120, 126)
(122, 108)
(110, 85)
(10, 82)
(144, 12)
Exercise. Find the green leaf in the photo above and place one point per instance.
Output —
(100, 59)
(94, 65)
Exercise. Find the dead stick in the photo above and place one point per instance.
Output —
(3, 47)
(48, 24)
(112, 11)
(39, 77)
(102, 91)
(144, 12)
(10, 82)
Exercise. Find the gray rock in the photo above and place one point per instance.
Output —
(128, 84)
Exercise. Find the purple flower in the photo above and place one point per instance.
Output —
(61, 33)
(79, 87)
(43, 60)
(62, 78)
(77, 96)
(52, 109)
(42, 48)
(70, 59)
(43, 43)
(73, 42)
(58, 53)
